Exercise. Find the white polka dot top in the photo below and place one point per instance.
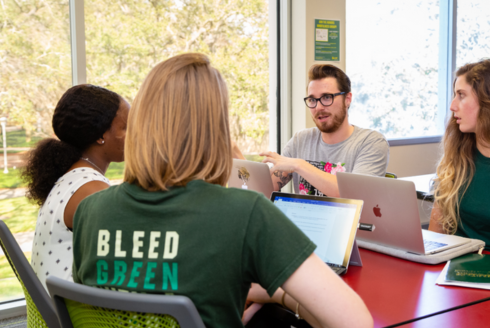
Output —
(52, 252)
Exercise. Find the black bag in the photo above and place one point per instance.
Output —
(274, 315)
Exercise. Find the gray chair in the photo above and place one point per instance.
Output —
(40, 309)
(84, 306)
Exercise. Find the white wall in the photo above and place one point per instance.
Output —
(414, 159)
(304, 13)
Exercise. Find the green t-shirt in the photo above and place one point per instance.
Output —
(474, 209)
(203, 241)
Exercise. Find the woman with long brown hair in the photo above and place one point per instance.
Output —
(173, 227)
(463, 175)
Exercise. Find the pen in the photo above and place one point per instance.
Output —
(366, 226)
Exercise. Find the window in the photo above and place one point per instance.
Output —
(473, 37)
(35, 70)
(392, 61)
(125, 39)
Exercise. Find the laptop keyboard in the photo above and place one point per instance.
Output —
(336, 268)
(430, 245)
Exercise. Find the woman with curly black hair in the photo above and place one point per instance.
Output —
(90, 123)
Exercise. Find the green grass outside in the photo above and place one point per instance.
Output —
(19, 214)
(5, 269)
(9, 285)
(12, 179)
(254, 158)
(17, 139)
(114, 172)
(10, 289)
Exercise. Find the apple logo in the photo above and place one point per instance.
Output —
(377, 211)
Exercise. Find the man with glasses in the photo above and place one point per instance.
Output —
(313, 156)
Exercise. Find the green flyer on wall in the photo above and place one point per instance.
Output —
(327, 36)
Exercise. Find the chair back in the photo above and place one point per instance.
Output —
(84, 306)
(40, 309)
(390, 175)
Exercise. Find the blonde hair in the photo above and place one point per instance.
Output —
(457, 167)
(178, 128)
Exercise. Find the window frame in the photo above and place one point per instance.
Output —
(13, 308)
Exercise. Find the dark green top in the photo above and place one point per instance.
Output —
(203, 241)
(475, 204)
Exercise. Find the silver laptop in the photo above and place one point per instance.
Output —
(331, 223)
(252, 176)
(391, 205)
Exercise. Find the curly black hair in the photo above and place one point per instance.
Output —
(80, 118)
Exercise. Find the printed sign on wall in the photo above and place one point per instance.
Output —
(327, 36)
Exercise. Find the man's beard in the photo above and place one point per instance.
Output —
(337, 121)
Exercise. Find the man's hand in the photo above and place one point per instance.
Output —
(281, 172)
(281, 163)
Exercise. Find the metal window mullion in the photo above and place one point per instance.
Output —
(285, 59)
(280, 66)
(447, 59)
(274, 75)
(77, 38)
(278, 77)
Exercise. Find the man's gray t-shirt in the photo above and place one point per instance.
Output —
(364, 152)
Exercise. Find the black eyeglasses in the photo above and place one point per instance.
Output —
(325, 100)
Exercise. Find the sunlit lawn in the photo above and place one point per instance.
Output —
(17, 139)
(10, 287)
(12, 179)
(254, 158)
(114, 172)
(19, 214)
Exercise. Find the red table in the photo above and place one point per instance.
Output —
(474, 316)
(396, 290)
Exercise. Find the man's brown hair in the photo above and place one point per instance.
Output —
(321, 71)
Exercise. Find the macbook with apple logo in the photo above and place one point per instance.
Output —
(251, 176)
(391, 205)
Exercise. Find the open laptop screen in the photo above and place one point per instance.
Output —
(331, 223)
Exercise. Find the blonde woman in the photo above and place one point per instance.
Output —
(172, 226)
(463, 175)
